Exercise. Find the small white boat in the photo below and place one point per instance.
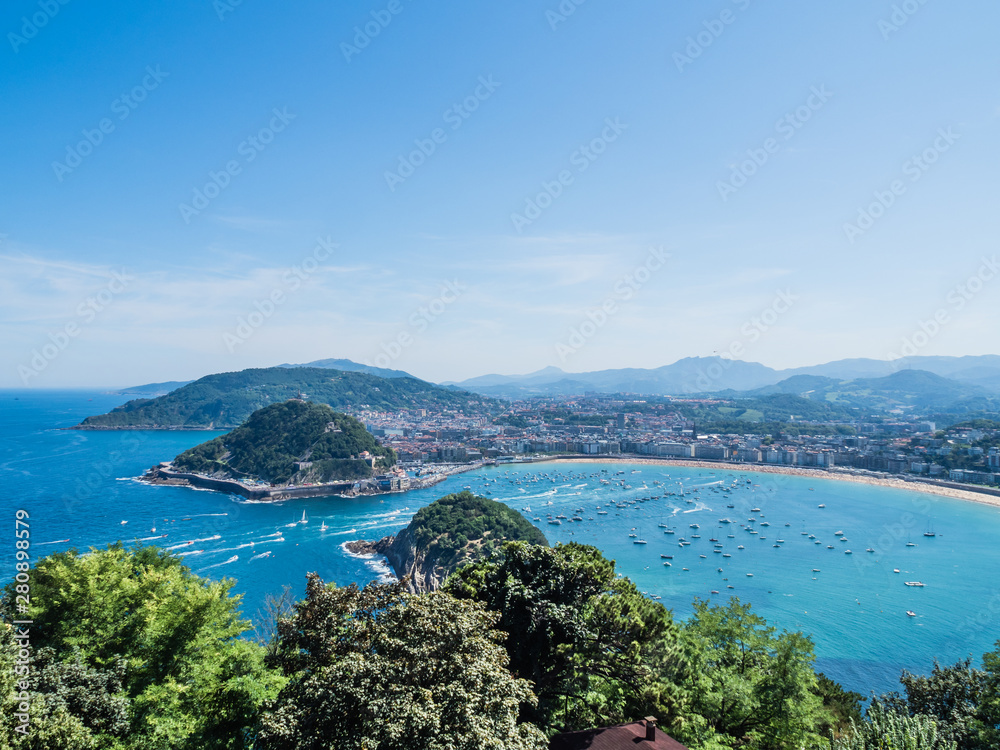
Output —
(915, 583)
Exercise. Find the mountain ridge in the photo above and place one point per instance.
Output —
(226, 400)
(694, 375)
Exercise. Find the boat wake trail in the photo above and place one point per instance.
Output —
(232, 559)
(192, 541)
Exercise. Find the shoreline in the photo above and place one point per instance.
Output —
(985, 496)
(165, 475)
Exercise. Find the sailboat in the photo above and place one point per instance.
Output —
(304, 519)
(930, 530)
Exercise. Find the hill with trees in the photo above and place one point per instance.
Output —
(225, 400)
(294, 442)
(450, 532)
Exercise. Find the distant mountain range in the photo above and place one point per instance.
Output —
(918, 384)
(917, 390)
(713, 374)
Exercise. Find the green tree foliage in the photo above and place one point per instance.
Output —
(377, 668)
(227, 399)
(596, 650)
(961, 699)
(275, 437)
(442, 529)
(752, 686)
(952, 697)
(989, 706)
(843, 706)
(119, 627)
(886, 729)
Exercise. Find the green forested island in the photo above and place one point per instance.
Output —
(294, 442)
(225, 400)
(450, 532)
(444, 529)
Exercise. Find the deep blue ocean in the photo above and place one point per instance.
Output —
(79, 490)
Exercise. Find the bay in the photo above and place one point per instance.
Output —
(79, 486)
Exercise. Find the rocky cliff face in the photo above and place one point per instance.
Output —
(408, 563)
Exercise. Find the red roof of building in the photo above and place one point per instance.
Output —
(631, 736)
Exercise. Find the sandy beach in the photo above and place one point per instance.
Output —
(984, 496)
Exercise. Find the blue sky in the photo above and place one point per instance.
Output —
(704, 160)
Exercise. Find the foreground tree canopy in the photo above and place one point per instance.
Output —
(596, 650)
(378, 668)
(131, 650)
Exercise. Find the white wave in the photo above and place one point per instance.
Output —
(355, 555)
(232, 559)
(262, 554)
(229, 549)
(192, 541)
(382, 569)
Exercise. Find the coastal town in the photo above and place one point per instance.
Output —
(612, 427)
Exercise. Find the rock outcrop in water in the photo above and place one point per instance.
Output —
(448, 533)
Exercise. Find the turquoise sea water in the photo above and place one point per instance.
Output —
(79, 486)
